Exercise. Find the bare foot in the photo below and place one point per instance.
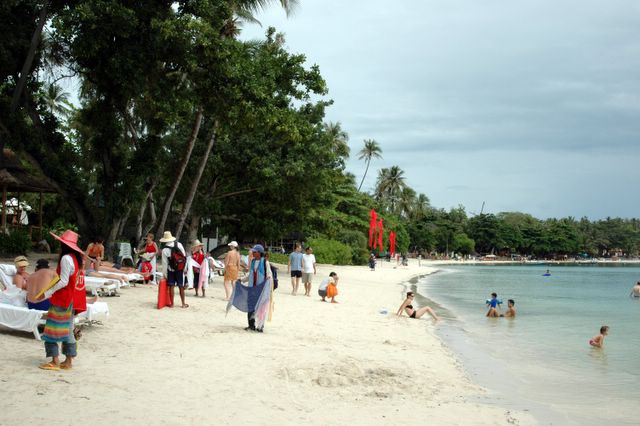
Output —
(334, 301)
(185, 305)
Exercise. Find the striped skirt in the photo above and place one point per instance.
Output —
(59, 326)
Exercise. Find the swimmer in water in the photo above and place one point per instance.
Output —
(597, 341)
(511, 310)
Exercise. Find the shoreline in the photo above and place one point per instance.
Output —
(316, 363)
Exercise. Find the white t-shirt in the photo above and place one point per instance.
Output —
(308, 260)
(324, 284)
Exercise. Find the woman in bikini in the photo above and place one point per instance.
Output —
(407, 308)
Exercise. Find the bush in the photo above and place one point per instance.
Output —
(15, 243)
(278, 258)
(331, 251)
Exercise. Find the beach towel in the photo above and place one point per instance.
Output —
(6, 276)
(252, 299)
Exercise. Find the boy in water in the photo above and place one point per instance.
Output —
(511, 310)
(493, 306)
(598, 340)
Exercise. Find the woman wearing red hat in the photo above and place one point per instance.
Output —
(67, 295)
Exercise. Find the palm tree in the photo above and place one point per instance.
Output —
(245, 11)
(338, 138)
(57, 100)
(391, 183)
(371, 150)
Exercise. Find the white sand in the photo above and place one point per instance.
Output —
(316, 363)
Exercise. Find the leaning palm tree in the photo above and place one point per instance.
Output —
(371, 150)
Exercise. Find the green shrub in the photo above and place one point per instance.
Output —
(15, 243)
(331, 251)
(278, 258)
(358, 243)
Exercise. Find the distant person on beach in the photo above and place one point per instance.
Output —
(174, 259)
(151, 249)
(372, 262)
(407, 308)
(597, 341)
(308, 270)
(95, 251)
(294, 267)
(328, 288)
(231, 268)
(198, 255)
(511, 310)
(21, 276)
(635, 291)
(493, 306)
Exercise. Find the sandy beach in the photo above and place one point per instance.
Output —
(316, 363)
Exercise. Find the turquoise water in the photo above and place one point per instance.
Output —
(543, 355)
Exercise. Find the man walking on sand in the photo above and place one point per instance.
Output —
(174, 260)
(295, 268)
(308, 270)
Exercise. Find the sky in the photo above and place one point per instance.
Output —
(530, 106)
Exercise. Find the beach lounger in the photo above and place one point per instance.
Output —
(101, 286)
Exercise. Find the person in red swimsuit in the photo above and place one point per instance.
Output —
(197, 253)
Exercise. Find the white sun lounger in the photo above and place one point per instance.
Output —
(101, 286)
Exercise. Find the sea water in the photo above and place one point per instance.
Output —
(542, 357)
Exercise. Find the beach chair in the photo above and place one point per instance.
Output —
(124, 253)
(101, 286)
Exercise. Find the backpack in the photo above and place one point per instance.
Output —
(177, 260)
(274, 272)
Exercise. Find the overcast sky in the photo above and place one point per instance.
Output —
(529, 106)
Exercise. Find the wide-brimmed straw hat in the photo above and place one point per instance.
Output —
(68, 238)
(196, 243)
(167, 237)
(21, 261)
(233, 244)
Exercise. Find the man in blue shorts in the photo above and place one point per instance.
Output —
(295, 268)
(173, 265)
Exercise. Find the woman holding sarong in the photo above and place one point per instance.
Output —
(67, 296)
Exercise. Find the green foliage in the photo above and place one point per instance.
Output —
(15, 243)
(278, 258)
(331, 251)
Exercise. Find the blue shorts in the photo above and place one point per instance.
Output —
(175, 278)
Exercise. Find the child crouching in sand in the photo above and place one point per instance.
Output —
(597, 341)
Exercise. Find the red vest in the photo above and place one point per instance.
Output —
(74, 291)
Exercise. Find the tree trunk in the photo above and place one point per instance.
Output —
(143, 209)
(194, 225)
(28, 62)
(365, 174)
(196, 181)
(183, 166)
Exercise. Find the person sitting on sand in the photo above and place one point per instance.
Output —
(635, 291)
(21, 276)
(407, 307)
(511, 310)
(493, 306)
(597, 341)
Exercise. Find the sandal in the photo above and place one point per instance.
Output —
(49, 366)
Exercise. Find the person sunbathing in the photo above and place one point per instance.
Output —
(21, 276)
(407, 308)
(91, 272)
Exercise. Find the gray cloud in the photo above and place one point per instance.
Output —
(530, 106)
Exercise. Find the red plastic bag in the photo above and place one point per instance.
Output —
(164, 294)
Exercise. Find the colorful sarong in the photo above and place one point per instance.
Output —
(59, 326)
(252, 299)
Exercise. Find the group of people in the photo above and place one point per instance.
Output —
(302, 268)
(493, 304)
